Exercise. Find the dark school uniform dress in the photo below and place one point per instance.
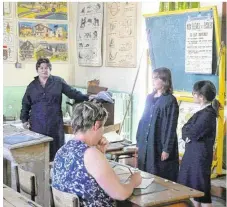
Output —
(157, 133)
(195, 170)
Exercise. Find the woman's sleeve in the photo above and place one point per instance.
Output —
(72, 93)
(199, 127)
(172, 114)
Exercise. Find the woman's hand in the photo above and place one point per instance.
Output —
(164, 156)
(26, 125)
(136, 179)
(102, 145)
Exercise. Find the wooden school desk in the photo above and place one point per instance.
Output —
(11, 198)
(35, 152)
(163, 193)
(120, 153)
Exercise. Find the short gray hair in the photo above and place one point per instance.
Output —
(86, 114)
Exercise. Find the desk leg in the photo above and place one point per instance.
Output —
(117, 158)
(46, 176)
(7, 172)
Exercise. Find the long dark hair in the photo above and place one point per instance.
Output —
(207, 89)
(43, 60)
(165, 75)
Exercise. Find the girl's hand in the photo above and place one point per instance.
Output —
(26, 125)
(164, 156)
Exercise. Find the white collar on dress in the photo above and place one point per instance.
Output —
(204, 106)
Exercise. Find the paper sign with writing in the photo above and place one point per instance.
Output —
(199, 46)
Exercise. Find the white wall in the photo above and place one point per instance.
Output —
(218, 4)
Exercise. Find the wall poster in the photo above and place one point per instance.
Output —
(37, 39)
(89, 35)
(121, 34)
(42, 10)
(7, 10)
(30, 51)
(199, 46)
(9, 54)
(43, 31)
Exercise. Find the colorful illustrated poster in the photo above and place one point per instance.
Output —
(42, 10)
(121, 34)
(43, 31)
(199, 46)
(8, 41)
(7, 9)
(89, 35)
(30, 51)
(26, 51)
(56, 52)
(43, 40)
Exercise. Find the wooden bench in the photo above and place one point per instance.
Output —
(11, 198)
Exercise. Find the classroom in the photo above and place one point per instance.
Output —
(114, 104)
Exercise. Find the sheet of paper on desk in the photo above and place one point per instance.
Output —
(145, 183)
(113, 137)
(21, 137)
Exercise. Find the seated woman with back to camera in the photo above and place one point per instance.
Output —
(80, 166)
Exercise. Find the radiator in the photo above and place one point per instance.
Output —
(121, 100)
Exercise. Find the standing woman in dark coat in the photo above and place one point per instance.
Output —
(199, 134)
(156, 135)
(41, 104)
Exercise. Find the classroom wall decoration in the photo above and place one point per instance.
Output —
(121, 34)
(42, 10)
(38, 40)
(43, 31)
(199, 45)
(8, 41)
(56, 52)
(7, 9)
(30, 51)
(89, 35)
(26, 50)
(42, 38)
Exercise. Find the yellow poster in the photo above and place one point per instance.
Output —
(42, 10)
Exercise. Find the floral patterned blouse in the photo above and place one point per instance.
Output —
(71, 176)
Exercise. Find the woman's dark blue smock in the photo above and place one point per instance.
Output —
(41, 106)
(157, 133)
(195, 169)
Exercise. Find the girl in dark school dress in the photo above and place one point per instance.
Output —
(156, 135)
(199, 134)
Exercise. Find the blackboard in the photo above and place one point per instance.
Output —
(166, 38)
